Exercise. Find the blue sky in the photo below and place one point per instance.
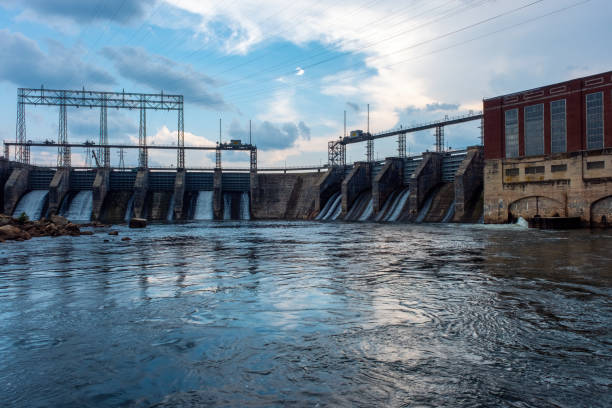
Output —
(290, 67)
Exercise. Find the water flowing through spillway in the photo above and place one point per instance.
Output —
(358, 207)
(227, 207)
(398, 206)
(129, 209)
(335, 209)
(383, 211)
(368, 211)
(204, 206)
(423, 213)
(245, 210)
(327, 207)
(450, 213)
(80, 206)
(31, 204)
(170, 214)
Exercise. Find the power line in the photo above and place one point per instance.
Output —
(450, 33)
(361, 74)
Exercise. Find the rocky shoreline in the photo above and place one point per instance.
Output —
(13, 229)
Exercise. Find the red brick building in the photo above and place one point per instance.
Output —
(548, 151)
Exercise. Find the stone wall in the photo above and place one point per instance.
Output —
(569, 185)
(284, 196)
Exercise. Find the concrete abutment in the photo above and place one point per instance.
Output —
(389, 179)
(59, 187)
(15, 187)
(424, 179)
(357, 181)
(141, 187)
(101, 187)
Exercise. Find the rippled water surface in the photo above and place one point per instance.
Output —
(282, 313)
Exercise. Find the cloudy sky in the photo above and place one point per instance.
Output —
(292, 68)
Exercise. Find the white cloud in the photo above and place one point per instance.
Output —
(299, 71)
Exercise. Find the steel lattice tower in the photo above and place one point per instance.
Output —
(142, 138)
(103, 151)
(20, 131)
(180, 160)
(439, 139)
(63, 151)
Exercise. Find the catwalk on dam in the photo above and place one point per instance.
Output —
(276, 313)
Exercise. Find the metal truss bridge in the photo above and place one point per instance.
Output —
(336, 152)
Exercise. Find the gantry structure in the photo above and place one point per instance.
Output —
(336, 149)
(105, 100)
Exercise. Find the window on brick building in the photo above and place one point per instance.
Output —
(534, 130)
(594, 122)
(558, 127)
(512, 133)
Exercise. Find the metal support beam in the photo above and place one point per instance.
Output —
(180, 161)
(439, 139)
(63, 151)
(370, 150)
(142, 138)
(103, 150)
(401, 145)
(20, 131)
(121, 159)
(253, 166)
(218, 159)
(336, 153)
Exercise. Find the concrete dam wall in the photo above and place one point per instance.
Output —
(435, 187)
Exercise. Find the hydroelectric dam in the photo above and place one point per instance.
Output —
(440, 186)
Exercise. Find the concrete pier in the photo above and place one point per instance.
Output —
(179, 194)
(218, 194)
(389, 179)
(327, 185)
(141, 187)
(426, 177)
(15, 187)
(101, 187)
(358, 180)
(468, 181)
(60, 185)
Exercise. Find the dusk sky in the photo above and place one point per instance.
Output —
(290, 67)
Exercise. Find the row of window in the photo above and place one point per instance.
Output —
(534, 127)
(554, 168)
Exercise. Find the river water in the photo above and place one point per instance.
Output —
(308, 314)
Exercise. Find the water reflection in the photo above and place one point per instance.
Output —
(277, 313)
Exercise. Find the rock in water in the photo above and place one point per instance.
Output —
(113, 233)
(10, 232)
(138, 223)
(58, 220)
